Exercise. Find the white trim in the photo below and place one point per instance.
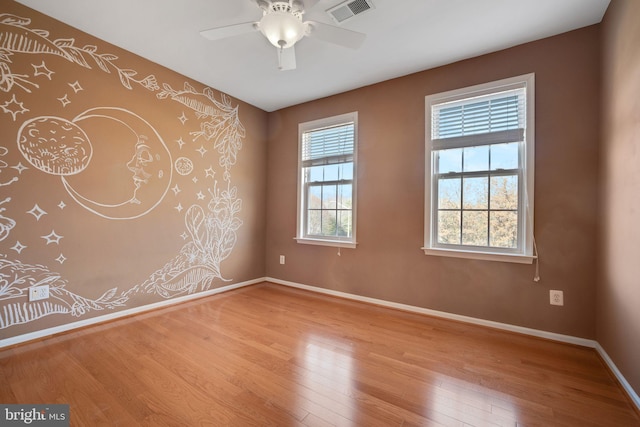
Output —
(478, 140)
(487, 256)
(526, 181)
(442, 314)
(623, 381)
(326, 242)
(475, 321)
(18, 339)
(340, 119)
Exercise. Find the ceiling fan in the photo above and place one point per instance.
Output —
(282, 25)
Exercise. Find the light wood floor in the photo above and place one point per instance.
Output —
(270, 355)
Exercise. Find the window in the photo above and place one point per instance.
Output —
(479, 171)
(326, 181)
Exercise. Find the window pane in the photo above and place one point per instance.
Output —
(315, 197)
(504, 192)
(450, 160)
(449, 227)
(313, 223)
(346, 171)
(329, 225)
(504, 229)
(345, 222)
(474, 228)
(331, 172)
(476, 159)
(476, 193)
(329, 196)
(344, 196)
(449, 193)
(315, 174)
(504, 156)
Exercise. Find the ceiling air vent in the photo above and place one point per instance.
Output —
(347, 10)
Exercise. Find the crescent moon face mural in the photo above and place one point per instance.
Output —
(135, 167)
(61, 147)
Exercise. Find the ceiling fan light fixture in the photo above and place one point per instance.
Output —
(282, 29)
(283, 26)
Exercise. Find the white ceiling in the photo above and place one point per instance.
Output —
(403, 37)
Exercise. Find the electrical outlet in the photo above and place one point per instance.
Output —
(556, 298)
(281, 259)
(37, 293)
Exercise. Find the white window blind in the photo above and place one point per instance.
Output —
(328, 146)
(500, 117)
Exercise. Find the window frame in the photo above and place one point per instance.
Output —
(302, 204)
(524, 252)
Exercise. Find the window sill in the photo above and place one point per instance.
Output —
(325, 242)
(486, 256)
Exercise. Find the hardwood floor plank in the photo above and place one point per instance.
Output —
(268, 355)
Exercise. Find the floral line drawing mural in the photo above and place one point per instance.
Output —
(15, 280)
(223, 126)
(17, 37)
(63, 148)
(213, 236)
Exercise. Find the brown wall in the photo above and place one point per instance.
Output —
(388, 263)
(618, 314)
(84, 128)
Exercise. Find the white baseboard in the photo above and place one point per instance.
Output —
(442, 314)
(116, 315)
(472, 320)
(623, 381)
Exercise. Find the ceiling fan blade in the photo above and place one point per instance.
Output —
(335, 35)
(287, 58)
(262, 4)
(229, 31)
(309, 4)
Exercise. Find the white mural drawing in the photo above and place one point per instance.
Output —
(3, 165)
(42, 70)
(37, 212)
(66, 148)
(52, 237)
(184, 166)
(212, 232)
(9, 79)
(14, 107)
(6, 224)
(222, 126)
(15, 280)
(17, 37)
(212, 236)
(61, 147)
(150, 160)
(54, 145)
